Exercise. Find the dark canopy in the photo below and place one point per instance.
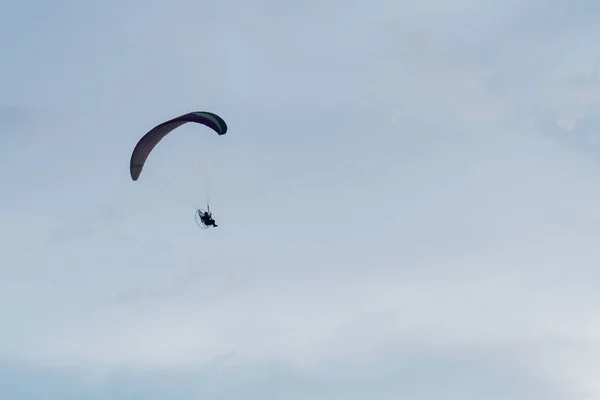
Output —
(151, 139)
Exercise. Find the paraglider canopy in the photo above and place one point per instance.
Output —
(147, 143)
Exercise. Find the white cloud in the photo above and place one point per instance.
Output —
(481, 230)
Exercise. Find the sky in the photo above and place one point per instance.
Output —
(408, 200)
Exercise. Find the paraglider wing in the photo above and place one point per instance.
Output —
(151, 139)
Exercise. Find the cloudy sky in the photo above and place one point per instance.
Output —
(408, 200)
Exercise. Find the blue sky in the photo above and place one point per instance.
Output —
(407, 198)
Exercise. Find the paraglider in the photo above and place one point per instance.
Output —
(149, 141)
(204, 219)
